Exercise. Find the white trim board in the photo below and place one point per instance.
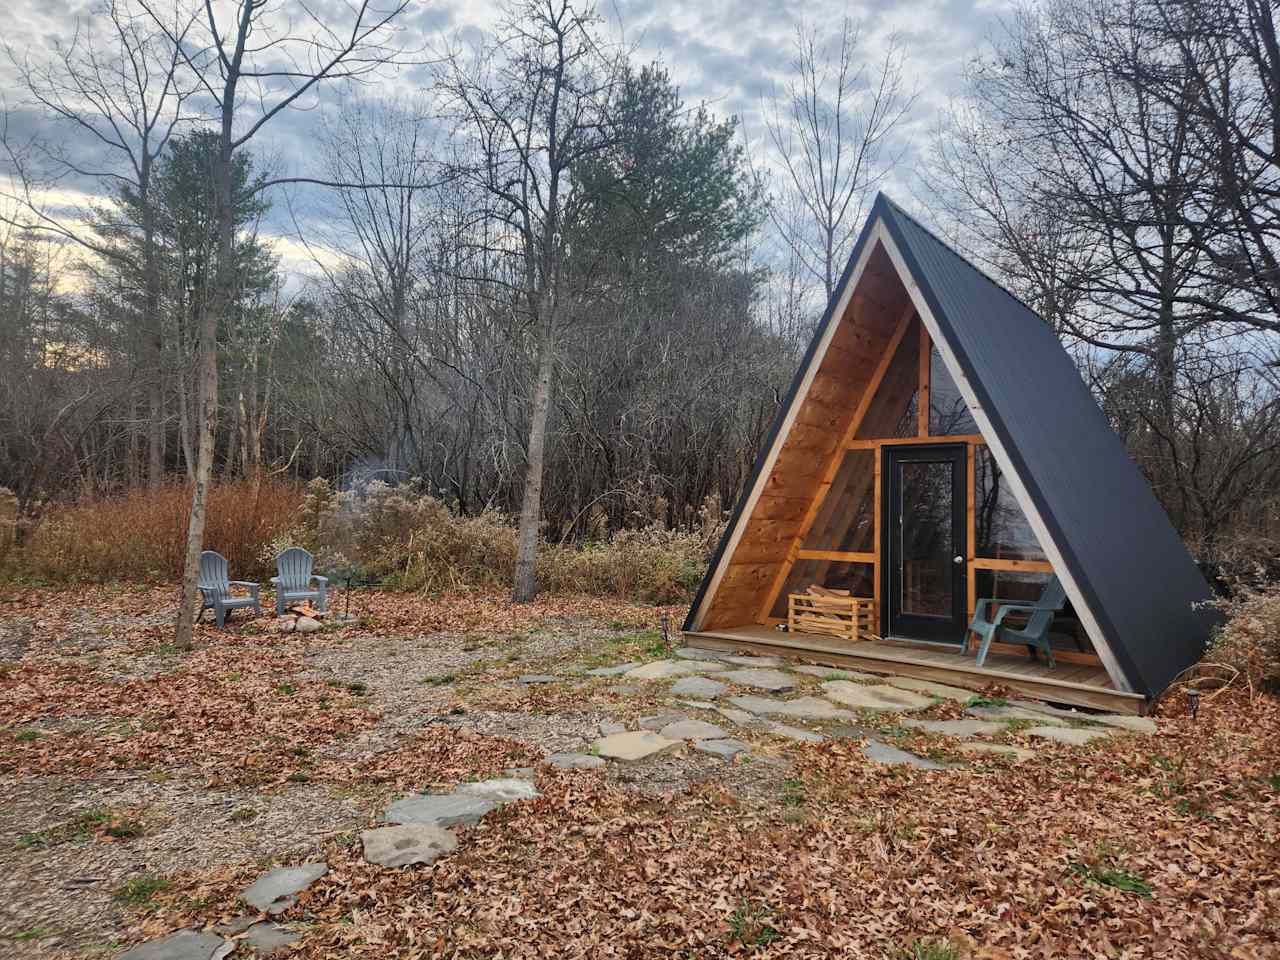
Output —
(1020, 492)
(784, 430)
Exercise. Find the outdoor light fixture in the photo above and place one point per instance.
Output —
(1193, 701)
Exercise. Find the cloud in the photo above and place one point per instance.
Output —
(727, 53)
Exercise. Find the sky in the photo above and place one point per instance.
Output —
(730, 54)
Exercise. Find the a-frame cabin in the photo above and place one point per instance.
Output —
(938, 447)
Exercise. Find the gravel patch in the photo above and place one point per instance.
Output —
(67, 887)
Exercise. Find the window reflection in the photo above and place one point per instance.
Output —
(1000, 528)
(949, 415)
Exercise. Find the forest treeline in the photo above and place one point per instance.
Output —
(546, 284)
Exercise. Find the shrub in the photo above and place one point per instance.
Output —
(655, 564)
(398, 536)
(1249, 640)
(141, 535)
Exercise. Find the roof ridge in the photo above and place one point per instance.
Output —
(899, 210)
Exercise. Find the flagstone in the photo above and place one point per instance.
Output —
(535, 678)
(267, 938)
(276, 891)
(698, 687)
(1072, 735)
(406, 843)
(775, 681)
(440, 809)
(574, 761)
(666, 669)
(1122, 722)
(692, 730)
(608, 727)
(740, 717)
(1014, 713)
(659, 720)
(725, 747)
(634, 746)
(697, 704)
(834, 673)
(874, 696)
(931, 689)
(753, 660)
(957, 728)
(982, 746)
(803, 708)
(882, 752)
(501, 789)
(613, 671)
(183, 945)
(795, 733)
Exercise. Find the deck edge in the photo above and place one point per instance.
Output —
(1055, 691)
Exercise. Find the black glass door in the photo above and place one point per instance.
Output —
(924, 570)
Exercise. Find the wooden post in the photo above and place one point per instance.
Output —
(922, 392)
(875, 571)
(971, 506)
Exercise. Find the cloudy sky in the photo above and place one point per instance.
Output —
(728, 53)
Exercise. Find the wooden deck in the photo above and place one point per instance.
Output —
(1069, 683)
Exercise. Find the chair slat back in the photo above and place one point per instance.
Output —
(1053, 598)
(1038, 623)
(293, 567)
(213, 572)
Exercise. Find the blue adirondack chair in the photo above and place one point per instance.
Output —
(215, 589)
(294, 581)
(1035, 633)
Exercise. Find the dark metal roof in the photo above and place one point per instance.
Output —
(1133, 570)
(1116, 540)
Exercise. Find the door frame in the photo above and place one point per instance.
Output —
(922, 627)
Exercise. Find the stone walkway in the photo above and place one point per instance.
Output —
(728, 687)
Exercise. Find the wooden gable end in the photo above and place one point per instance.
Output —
(809, 442)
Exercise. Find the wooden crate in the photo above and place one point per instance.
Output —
(851, 618)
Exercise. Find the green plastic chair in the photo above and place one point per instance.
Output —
(1035, 634)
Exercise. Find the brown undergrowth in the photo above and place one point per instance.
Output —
(1143, 847)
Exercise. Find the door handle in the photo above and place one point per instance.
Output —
(957, 560)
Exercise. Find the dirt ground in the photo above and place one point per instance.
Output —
(142, 786)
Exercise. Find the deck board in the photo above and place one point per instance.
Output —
(1074, 684)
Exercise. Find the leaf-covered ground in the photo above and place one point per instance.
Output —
(142, 787)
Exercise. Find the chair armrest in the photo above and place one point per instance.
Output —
(244, 583)
(275, 581)
(324, 581)
(981, 607)
(1007, 609)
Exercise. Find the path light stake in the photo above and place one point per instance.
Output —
(1193, 701)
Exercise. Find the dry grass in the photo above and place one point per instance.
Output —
(396, 536)
(139, 535)
(414, 541)
(1249, 641)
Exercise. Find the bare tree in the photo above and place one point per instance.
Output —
(1083, 181)
(1219, 63)
(119, 91)
(534, 104)
(282, 68)
(832, 128)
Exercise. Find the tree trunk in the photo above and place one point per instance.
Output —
(208, 380)
(526, 579)
(152, 330)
